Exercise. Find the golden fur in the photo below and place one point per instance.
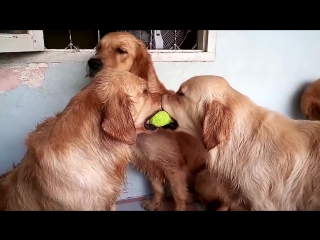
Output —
(266, 161)
(165, 156)
(310, 101)
(77, 160)
(207, 186)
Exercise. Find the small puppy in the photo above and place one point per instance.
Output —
(77, 160)
(165, 156)
(266, 160)
(310, 101)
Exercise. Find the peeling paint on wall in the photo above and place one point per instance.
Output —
(32, 75)
(8, 80)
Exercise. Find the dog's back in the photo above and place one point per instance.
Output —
(68, 165)
(48, 180)
(309, 172)
(178, 151)
(276, 161)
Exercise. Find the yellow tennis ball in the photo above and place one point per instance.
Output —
(160, 119)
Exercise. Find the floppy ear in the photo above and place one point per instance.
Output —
(142, 62)
(143, 67)
(118, 123)
(217, 124)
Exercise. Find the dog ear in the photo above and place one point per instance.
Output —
(117, 121)
(313, 111)
(217, 125)
(143, 68)
(142, 62)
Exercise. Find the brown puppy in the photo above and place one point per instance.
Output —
(310, 101)
(164, 156)
(77, 160)
(267, 160)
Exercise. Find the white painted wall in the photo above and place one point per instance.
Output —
(269, 66)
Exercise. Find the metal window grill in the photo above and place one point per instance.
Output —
(154, 39)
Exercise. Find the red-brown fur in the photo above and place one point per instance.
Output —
(310, 101)
(77, 160)
(265, 160)
(208, 187)
(165, 156)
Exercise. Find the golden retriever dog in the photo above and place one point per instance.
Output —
(77, 160)
(266, 160)
(310, 101)
(164, 156)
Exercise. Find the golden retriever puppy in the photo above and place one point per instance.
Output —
(268, 161)
(310, 101)
(164, 156)
(77, 160)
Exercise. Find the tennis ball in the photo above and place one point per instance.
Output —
(160, 119)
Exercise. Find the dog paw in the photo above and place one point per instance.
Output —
(150, 205)
(223, 208)
(181, 207)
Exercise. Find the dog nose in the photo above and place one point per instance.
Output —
(95, 63)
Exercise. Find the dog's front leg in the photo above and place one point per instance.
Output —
(158, 191)
(178, 182)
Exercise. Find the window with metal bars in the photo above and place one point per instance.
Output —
(79, 45)
(154, 39)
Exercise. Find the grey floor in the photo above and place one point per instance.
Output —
(132, 206)
(168, 205)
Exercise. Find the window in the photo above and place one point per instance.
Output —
(21, 40)
(78, 45)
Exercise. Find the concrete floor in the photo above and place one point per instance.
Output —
(168, 205)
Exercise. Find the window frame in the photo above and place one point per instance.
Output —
(206, 41)
(29, 42)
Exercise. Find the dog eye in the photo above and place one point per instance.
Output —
(180, 93)
(121, 51)
(145, 92)
(98, 48)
